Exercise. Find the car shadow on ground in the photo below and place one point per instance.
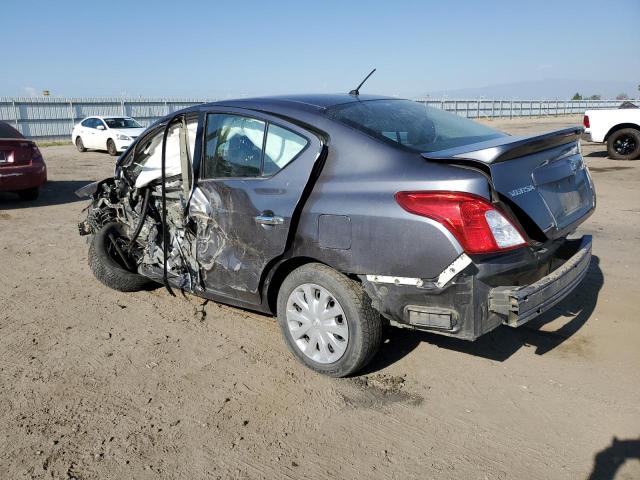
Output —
(54, 192)
(504, 341)
(607, 462)
(597, 154)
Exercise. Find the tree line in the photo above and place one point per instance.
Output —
(620, 96)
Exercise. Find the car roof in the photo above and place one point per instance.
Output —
(285, 105)
(317, 101)
(102, 117)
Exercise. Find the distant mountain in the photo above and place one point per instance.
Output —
(551, 89)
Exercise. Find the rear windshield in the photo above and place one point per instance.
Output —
(122, 123)
(7, 131)
(411, 124)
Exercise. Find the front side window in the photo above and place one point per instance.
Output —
(235, 146)
(147, 159)
(119, 122)
(411, 124)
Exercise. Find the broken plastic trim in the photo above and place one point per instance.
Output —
(459, 264)
(87, 191)
(417, 282)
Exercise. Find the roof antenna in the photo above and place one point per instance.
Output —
(356, 92)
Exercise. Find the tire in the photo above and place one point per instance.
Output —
(106, 269)
(111, 148)
(29, 194)
(363, 323)
(624, 144)
(80, 145)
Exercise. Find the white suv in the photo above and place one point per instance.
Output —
(113, 134)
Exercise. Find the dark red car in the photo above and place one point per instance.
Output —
(22, 168)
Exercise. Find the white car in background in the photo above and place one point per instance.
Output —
(113, 134)
(618, 128)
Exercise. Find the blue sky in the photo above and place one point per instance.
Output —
(229, 49)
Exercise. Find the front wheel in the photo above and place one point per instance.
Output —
(80, 145)
(111, 148)
(624, 144)
(327, 320)
(107, 263)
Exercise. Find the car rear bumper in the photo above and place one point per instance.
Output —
(518, 305)
(509, 289)
(22, 177)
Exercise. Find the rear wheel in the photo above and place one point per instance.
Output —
(108, 265)
(80, 145)
(29, 193)
(624, 144)
(111, 148)
(327, 320)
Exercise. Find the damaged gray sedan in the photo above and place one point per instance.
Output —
(340, 213)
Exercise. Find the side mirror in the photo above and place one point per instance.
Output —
(100, 127)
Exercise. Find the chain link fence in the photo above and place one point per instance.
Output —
(53, 118)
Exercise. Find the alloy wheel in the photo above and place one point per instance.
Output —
(624, 145)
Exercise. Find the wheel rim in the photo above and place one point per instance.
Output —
(79, 144)
(111, 148)
(317, 323)
(624, 145)
(115, 238)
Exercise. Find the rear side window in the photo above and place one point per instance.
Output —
(411, 125)
(281, 148)
(238, 146)
(88, 123)
(233, 146)
(7, 131)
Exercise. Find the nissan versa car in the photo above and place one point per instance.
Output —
(340, 213)
(113, 134)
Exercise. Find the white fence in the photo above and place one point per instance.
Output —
(518, 108)
(53, 118)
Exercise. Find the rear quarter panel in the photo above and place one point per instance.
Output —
(359, 180)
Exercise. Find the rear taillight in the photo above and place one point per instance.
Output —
(476, 224)
(35, 152)
(585, 121)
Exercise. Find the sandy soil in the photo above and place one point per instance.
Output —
(97, 384)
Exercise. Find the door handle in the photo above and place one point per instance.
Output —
(269, 219)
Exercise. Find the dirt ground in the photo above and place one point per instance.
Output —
(97, 384)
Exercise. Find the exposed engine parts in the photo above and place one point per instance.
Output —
(138, 212)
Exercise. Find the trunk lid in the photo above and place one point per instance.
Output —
(542, 178)
(16, 152)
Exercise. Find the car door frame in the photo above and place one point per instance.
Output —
(316, 143)
(101, 135)
(88, 133)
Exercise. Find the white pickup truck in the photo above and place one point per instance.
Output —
(619, 128)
